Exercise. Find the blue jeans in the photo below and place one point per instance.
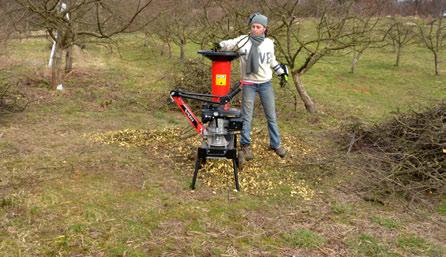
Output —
(266, 94)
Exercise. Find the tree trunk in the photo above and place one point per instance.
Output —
(309, 104)
(146, 39)
(356, 57)
(203, 44)
(169, 50)
(56, 71)
(398, 55)
(394, 45)
(437, 64)
(182, 52)
(69, 59)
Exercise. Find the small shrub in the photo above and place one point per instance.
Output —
(193, 75)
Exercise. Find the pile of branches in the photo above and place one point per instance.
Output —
(406, 154)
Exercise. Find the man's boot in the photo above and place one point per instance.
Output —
(247, 153)
(279, 151)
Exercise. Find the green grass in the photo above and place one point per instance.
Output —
(386, 222)
(441, 208)
(63, 195)
(377, 87)
(343, 213)
(367, 245)
(303, 238)
(341, 208)
(417, 245)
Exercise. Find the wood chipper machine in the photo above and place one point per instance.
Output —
(220, 123)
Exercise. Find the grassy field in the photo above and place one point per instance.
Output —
(102, 169)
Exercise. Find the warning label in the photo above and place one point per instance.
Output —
(220, 79)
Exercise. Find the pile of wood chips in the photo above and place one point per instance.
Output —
(266, 175)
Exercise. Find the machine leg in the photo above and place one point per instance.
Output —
(235, 164)
(239, 155)
(197, 167)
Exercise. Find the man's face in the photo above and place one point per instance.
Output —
(257, 29)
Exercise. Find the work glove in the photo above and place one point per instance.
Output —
(283, 80)
(216, 46)
(284, 75)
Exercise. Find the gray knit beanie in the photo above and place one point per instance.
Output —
(258, 18)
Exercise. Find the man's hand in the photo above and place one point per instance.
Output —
(283, 80)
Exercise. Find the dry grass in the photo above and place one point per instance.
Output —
(62, 194)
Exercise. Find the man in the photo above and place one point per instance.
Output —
(257, 64)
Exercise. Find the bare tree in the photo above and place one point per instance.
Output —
(402, 32)
(160, 27)
(178, 24)
(303, 42)
(181, 27)
(79, 20)
(208, 23)
(218, 20)
(432, 34)
(367, 28)
(8, 23)
(418, 8)
(366, 34)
